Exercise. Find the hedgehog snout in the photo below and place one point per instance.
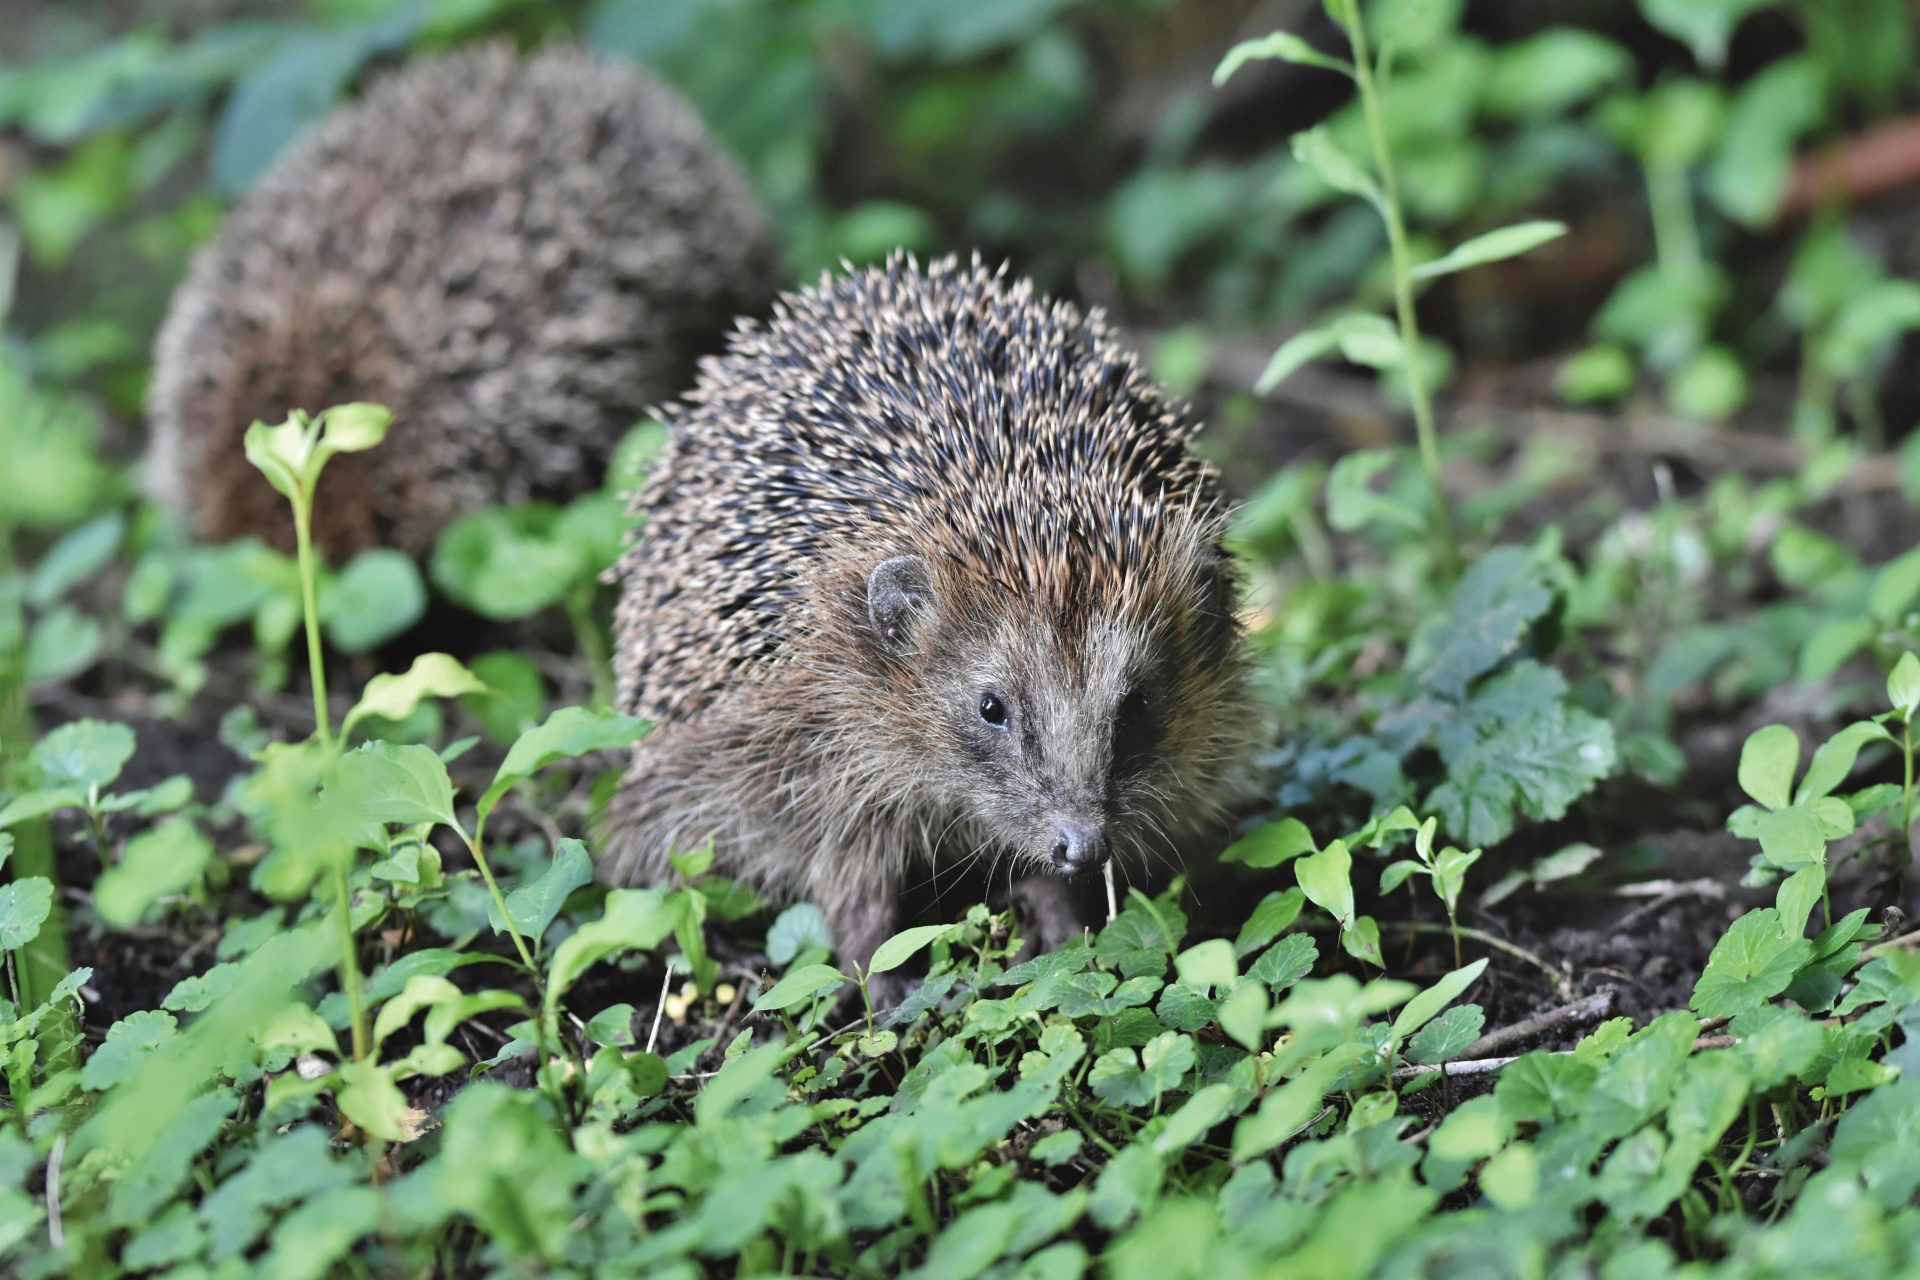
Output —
(1079, 847)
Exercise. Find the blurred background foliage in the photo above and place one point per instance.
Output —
(1738, 176)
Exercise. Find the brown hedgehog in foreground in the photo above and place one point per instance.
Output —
(928, 576)
(518, 256)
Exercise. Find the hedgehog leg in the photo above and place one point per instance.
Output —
(1051, 912)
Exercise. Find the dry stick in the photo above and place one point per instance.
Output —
(1560, 980)
(1589, 1009)
(1892, 944)
(1485, 1066)
(666, 981)
(56, 1236)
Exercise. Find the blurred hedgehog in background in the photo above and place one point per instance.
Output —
(518, 256)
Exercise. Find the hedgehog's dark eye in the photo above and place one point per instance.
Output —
(993, 711)
(1133, 729)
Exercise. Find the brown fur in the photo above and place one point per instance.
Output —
(1070, 550)
(518, 256)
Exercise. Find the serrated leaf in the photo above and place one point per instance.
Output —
(1283, 45)
(1767, 762)
(1538, 766)
(1506, 242)
(567, 733)
(1487, 615)
(24, 906)
(1448, 1035)
(1753, 962)
(1285, 962)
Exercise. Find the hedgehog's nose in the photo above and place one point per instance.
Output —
(1078, 849)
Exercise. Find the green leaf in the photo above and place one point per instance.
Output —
(1493, 246)
(1270, 918)
(1791, 837)
(37, 804)
(83, 754)
(393, 784)
(1487, 615)
(515, 699)
(159, 863)
(77, 557)
(282, 453)
(902, 947)
(1751, 964)
(1799, 894)
(1538, 766)
(351, 428)
(24, 906)
(1833, 760)
(1325, 878)
(634, 920)
(395, 697)
(128, 1044)
(796, 929)
(534, 905)
(803, 983)
(568, 732)
(1424, 1006)
(62, 643)
(1352, 503)
(1270, 844)
(1448, 1035)
(1207, 964)
(1283, 45)
(1361, 940)
(1317, 149)
(368, 1096)
(1285, 962)
(378, 596)
(1903, 686)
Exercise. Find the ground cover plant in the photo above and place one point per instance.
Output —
(1569, 934)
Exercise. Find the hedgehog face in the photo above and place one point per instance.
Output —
(1048, 734)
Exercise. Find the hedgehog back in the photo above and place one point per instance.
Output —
(518, 256)
(947, 412)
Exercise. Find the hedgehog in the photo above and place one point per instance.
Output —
(929, 577)
(518, 255)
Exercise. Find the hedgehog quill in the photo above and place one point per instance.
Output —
(517, 256)
(928, 577)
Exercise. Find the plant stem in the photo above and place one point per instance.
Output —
(310, 606)
(500, 902)
(350, 962)
(1676, 240)
(1402, 273)
(593, 645)
(1488, 939)
(1903, 849)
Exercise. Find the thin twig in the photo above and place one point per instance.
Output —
(56, 1236)
(1904, 941)
(1588, 1009)
(1560, 980)
(666, 981)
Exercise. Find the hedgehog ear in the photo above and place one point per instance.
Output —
(896, 590)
